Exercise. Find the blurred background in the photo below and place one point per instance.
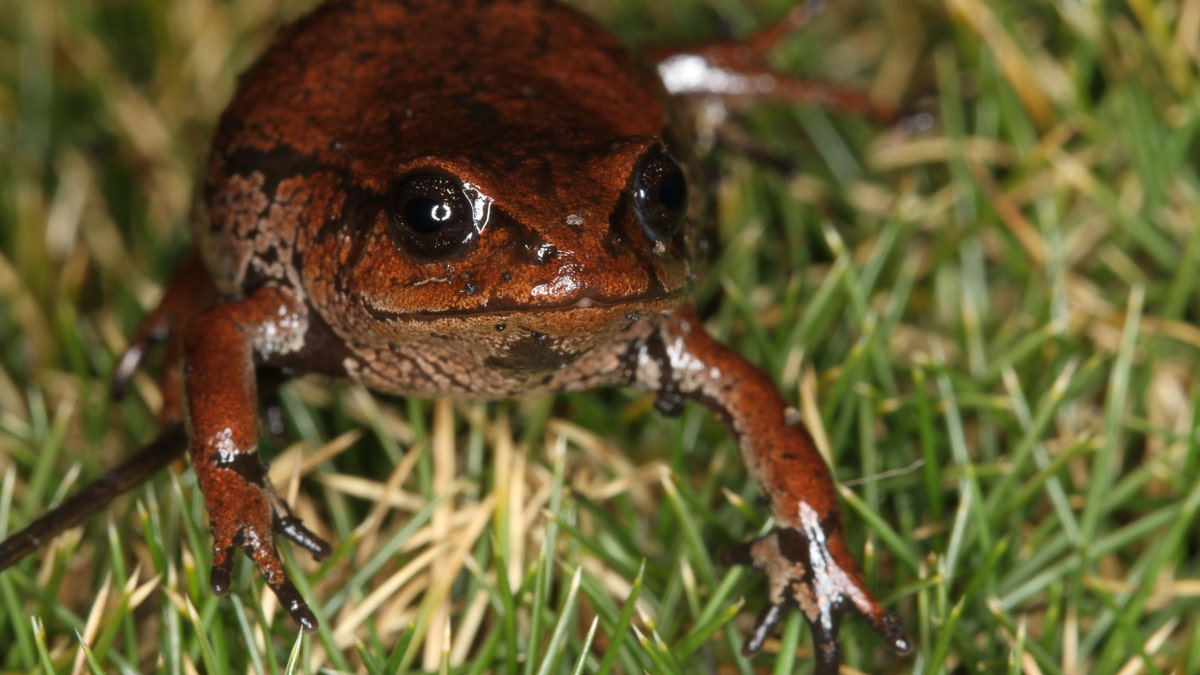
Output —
(990, 326)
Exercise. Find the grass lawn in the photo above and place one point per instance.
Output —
(990, 326)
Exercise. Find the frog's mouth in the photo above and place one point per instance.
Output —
(548, 339)
(532, 339)
(645, 303)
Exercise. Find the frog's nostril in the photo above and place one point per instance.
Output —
(545, 252)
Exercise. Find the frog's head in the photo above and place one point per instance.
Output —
(547, 238)
(513, 176)
(554, 227)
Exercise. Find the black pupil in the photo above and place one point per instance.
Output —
(432, 216)
(427, 215)
(672, 192)
(660, 194)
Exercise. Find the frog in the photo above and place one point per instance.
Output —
(477, 199)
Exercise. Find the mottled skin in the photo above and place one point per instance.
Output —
(544, 127)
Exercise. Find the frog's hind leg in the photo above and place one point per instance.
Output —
(190, 292)
(736, 72)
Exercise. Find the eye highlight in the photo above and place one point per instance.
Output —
(434, 216)
(660, 194)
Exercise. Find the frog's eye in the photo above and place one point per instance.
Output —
(660, 194)
(433, 215)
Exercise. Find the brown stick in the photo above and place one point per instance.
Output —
(170, 445)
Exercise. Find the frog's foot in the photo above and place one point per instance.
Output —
(251, 526)
(190, 292)
(804, 573)
(159, 326)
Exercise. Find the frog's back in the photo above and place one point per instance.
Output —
(359, 87)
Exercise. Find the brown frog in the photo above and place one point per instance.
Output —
(476, 199)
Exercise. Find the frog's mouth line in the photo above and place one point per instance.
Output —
(646, 302)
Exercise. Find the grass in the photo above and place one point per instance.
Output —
(991, 326)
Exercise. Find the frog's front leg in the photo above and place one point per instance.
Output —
(806, 558)
(222, 348)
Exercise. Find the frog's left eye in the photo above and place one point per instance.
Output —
(660, 194)
(433, 215)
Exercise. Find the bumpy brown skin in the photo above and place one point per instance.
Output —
(546, 117)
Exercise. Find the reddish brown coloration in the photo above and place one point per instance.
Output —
(473, 198)
(806, 558)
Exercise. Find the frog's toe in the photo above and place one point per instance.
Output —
(804, 574)
(130, 361)
(290, 527)
(891, 631)
(220, 580)
(826, 648)
(770, 615)
(271, 567)
(259, 545)
(295, 605)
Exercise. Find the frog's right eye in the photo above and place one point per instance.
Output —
(434, 216)
(660, 194)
